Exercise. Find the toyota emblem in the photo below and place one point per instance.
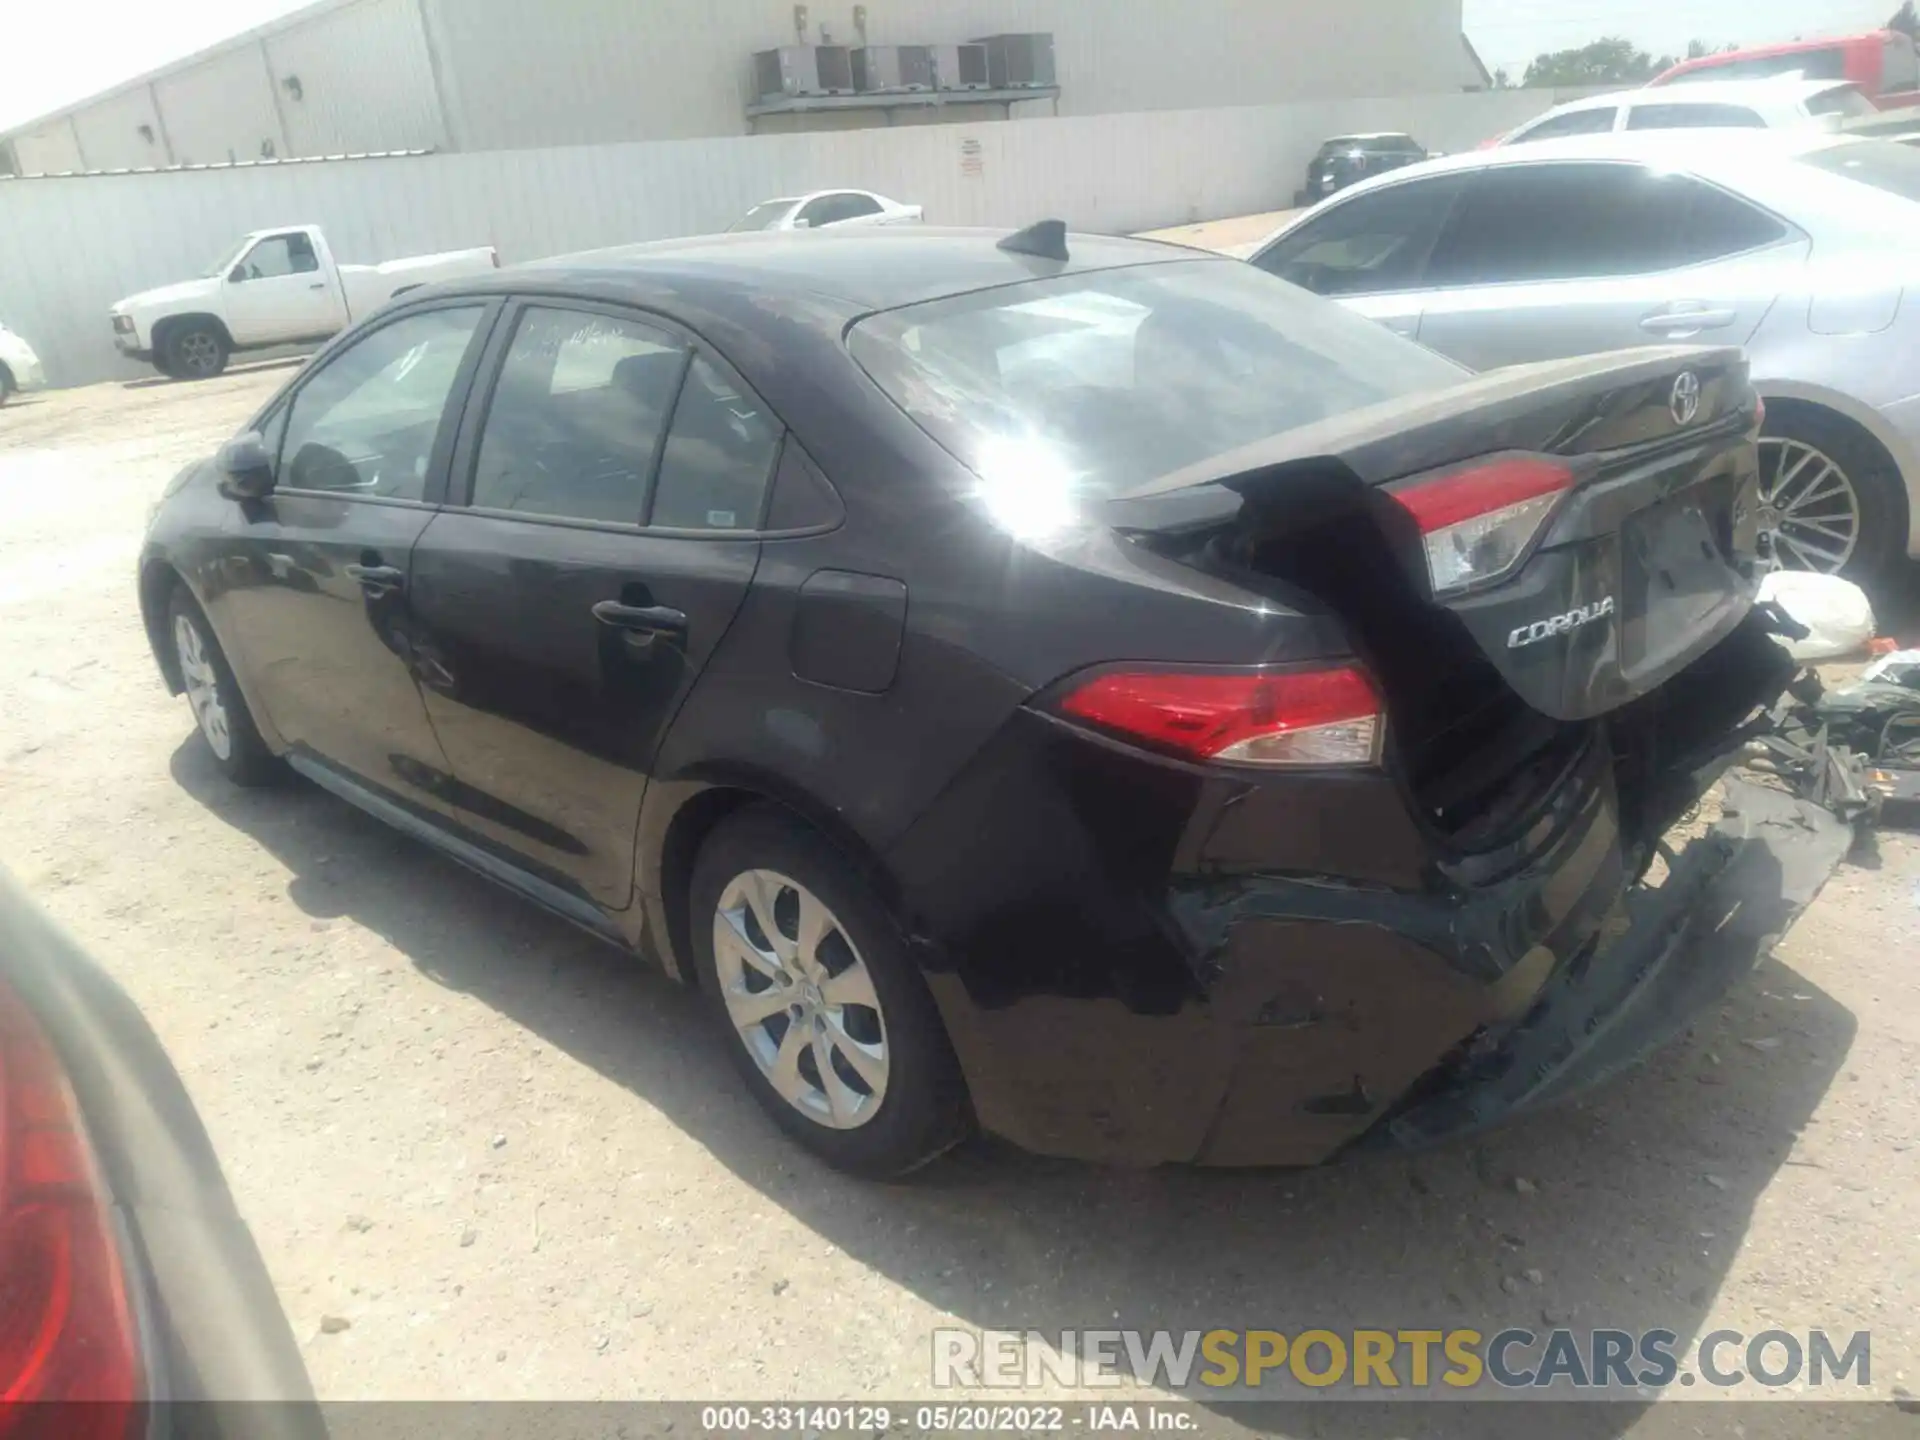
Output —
(1685, 401)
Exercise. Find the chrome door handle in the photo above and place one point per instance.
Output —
(653, 619)
(1666, 322)
(377, 580)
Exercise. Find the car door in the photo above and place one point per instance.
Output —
(279, 291)
(313, 578)
(611, 488)
(1370, 251)
(1556, 258)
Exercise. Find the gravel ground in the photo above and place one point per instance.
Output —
(514, 1166)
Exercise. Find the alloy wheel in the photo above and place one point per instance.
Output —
(199, 354)
(203, 687)
(1808, 506)
(801, 999)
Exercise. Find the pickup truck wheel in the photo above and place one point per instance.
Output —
(196, 352)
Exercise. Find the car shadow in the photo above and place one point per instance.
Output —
(1624, 1209)
(253, 367)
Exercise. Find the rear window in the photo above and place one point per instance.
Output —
(1807, 64)
(1892, 168)
(1093, 385)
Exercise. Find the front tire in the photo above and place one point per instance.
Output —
(1832, 500)
(196, 352)
(220, 711)
(822, 1011)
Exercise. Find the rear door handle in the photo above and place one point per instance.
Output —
(378, 580)
(647, 619)
(1676, 322)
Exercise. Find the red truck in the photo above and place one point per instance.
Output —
(1883, 63)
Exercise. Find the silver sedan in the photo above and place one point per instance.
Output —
(1803, 248)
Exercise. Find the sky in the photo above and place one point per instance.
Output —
(76, 48)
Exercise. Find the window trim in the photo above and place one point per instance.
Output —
(1792, 231)
(1356, 196)
(433, 495)
(465, 460)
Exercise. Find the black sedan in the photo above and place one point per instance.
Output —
(1348, 159)
(1062, 685)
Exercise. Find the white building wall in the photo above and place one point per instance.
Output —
(588, 71)
(53, 149)
(110, 137)
(365, 78)
(222, 109)
(70, 247)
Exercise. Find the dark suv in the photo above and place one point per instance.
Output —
(1346, 159)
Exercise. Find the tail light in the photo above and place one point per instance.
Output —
(67, 1336)
(1280, 718)
(1478, 521)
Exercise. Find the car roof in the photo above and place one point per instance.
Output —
(861, 268)
(1776, 91)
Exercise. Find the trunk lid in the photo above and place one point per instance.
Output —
(1642, 566)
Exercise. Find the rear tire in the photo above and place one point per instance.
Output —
(196, 352)
(1838, 503)
(220, 711)
(828, 1020)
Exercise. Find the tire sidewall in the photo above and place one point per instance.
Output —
(248, 762)
(924, 1111)
(179, 337)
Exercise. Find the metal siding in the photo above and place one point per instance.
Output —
(110, 132)
(50, 150)
(222, 109)
(70, 247)
(365, 79)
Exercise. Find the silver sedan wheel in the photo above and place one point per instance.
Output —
(1808, 506)
(203, 687)
(801, 999)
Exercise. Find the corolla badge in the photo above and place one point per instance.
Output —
(1684, 403)
(1574, 619)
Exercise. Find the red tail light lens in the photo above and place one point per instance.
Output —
(1477, 521)
(67, 1336)
(1304, 717)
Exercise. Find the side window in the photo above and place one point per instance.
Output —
(576, 416)
(719, 456)
(277, 255)
(817, 212)
(1574, 122)
(364, 423)
(1717, 224)
(1845, 101)
(1694, 117)
(1559, 222)
(1374, 244)
(852, 207)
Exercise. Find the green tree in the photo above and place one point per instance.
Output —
(1610, 61)
(1906, 21)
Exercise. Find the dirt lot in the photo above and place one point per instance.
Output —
(517, 1167)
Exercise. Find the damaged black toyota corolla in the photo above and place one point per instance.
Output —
(1069, 686)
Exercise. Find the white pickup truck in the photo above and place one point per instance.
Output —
(276, 287)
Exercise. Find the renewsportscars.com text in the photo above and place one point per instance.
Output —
(1381, 1362)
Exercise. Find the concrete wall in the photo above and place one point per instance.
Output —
(71, 246)
(379, 75)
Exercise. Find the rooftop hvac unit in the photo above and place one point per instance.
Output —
(879, 68)
(959, 67)
(1019, 62)
(794, 70)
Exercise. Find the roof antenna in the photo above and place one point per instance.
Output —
(1046, 239)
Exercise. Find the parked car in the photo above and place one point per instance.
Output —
(136, 1302)
(1797, 246)
(1883, 63)
(823, 208)
(1069, 684)
(1341, 161)
(1731, 104)
(276, 287)
(20, 368)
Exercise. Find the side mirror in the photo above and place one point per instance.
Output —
(803, 224)
(246, 467)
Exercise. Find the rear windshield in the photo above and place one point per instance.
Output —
(1892, 168)
(1807, 64)
(1098, 383)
